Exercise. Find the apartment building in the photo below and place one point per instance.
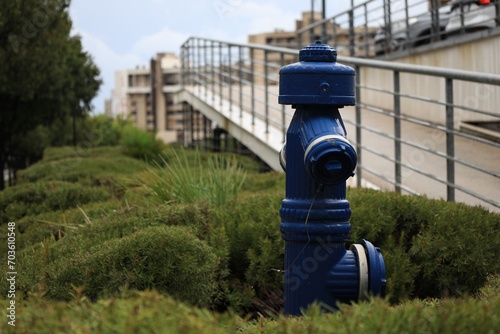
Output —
(330, 33)
(145, 95)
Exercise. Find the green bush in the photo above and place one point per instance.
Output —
(255, 253)
(432, 249)
(102, 227)
(34, 198)
(104, 131)
(377, 316)
(165, 258)
(429, 246)
(98, 167)
(141, 145)
(142, 312)
(33, 229)
(150, 312)
(66, 152)
(265, 183)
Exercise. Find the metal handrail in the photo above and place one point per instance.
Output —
(395, 31)
(455, 74)
(245, 76)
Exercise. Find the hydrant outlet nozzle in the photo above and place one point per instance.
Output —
(330, 159)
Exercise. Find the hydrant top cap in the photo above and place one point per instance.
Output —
(318, 52)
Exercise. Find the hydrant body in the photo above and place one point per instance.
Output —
(318, 159)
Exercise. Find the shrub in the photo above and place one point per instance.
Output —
(140, 144)
(255, 251)
(34, 198)
(150, 312)
(102, 227)
(33, 229)
(491, 289)
(429, 246)
(140, 312)
(101, 166)
(104, 131)
(265, 183)
(166, 258)
(66, 152)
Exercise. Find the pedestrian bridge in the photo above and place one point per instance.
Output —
(416, 129)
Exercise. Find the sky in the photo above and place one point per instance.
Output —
(123, 34)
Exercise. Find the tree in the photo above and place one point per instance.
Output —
(44, 73)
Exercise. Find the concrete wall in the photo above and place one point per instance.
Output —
(479, 55)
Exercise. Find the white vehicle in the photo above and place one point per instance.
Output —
(417, 32)
(471, 15)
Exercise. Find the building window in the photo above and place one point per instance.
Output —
(170, 79)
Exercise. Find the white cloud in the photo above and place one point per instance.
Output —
(265, 17)
(164, 40)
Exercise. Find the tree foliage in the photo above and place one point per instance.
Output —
(45, 73)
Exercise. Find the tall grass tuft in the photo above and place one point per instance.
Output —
(216, 181)
(224, 180)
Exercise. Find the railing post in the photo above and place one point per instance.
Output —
(334, 25)
(366, 39)
(252, 75)
(241, 61)
(311, 31)
(229, 60)
(450, 142)
(352, 34)
(283, 111)
(266, 84)
(407, 20)
(186, 65)
(397, 132)
(388, 26)
(497, 13)
(183, 64)
(462, 24)
(191, 121)
(359, 171)
(212, 65)
(198, 65)
(435, 30)
(205, 132)
(323, 25)
(220, 75)
(205, 66)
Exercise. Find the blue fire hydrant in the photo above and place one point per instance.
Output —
(318, 159)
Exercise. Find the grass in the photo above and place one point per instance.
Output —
(217, 180)
(151, 312)
(192, 245)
